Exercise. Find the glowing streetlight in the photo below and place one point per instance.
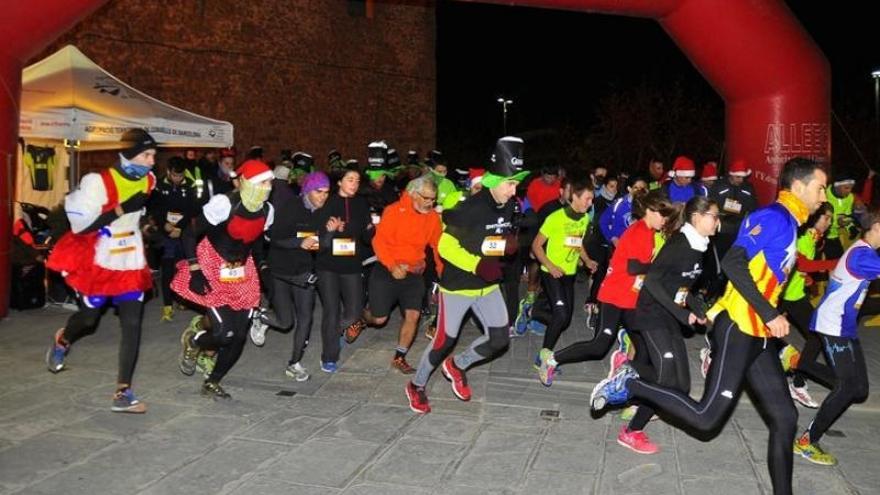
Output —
(504, 104)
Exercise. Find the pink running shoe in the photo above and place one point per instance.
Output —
(618, 357)
(637, 441)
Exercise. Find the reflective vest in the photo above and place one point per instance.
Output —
(40, 163)
(841, 206)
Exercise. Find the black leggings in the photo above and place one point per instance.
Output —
(596, 349)
(666, 363)
(848, 362)
(799, 313)
(347, 288)
(736, 357)
(560, 300)
(85, 322)
(512, 273)
(229, 328)
(293, 304)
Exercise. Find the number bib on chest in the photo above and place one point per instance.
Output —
(732, 206)
(375, 218)
(638, 283)
(231, 272)
(493, 245)
(681, 296)
(343, 247)
(573, 241)
(173, 217)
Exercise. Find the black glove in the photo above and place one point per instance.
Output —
(134, 203)
(489, 269)
(198, 283)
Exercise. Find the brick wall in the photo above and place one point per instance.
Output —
(300, 74)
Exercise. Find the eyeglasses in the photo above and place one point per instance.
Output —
(715, 216)
(427, 199)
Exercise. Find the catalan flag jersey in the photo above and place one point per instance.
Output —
(838, 311)
(769, 238)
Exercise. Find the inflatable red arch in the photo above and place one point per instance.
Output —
(773, 78)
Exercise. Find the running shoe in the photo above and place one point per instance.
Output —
(521, 323)
(354, 330)
(618, 357)
(625, 345)
(125, 401)
(258, 330)
(431, 331)
(329, 367)
(57, 352)
(399, 363)
(801, 395)
(167, 314)
(637, 441)
(214, 390)
(705, 361)
(418, 399)
(537, 328)
(297, 372)
(592, 316)
(456, 376)
(427, 325)
(189, 352)
(812, 451)
(546, 367)
(789, 356)
(205, 364)
(613, 391)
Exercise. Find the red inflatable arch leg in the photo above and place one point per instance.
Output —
(774, 80)
(27, 28)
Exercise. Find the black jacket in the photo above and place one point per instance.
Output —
(355, 212)
(173, 199)
(292, 221)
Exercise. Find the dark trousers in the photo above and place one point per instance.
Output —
(229, 328)
(845, 357)
(335, 288)
(293, 303)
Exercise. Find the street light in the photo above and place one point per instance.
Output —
(504, 103)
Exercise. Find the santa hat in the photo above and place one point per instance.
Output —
(227, 152)
(710, 171)
(475, 175)
(683, 167)
(255, 171)
(739, 169)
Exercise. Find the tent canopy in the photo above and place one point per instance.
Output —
(67, 96)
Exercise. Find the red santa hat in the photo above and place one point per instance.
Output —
(255, 171)
(683, 167)
(710, 171)
(739, 169)
(475, 175)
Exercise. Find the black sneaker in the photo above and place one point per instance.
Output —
(188, 351)
(213, 389)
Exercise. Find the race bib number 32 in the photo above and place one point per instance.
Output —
(493, 246)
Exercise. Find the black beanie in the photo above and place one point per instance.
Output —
(303, 161)
(377, 155)
(137, 141)
(393, 158)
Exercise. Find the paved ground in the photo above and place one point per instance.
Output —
(352, 432)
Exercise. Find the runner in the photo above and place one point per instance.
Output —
(224, 248)
(406, 229)
(563, 233)
(666, 303)
(621, 287)
(294, 240)
(836, 322)
(744, 320)
(477, 235)
(102, 258)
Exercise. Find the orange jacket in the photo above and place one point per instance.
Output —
(403, 234)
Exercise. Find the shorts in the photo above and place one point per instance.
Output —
(385, 291)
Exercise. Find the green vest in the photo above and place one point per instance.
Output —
(565, 238)
(841, 206)
(806, 245)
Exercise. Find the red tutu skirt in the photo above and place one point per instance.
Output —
(74, 257)
(239, 295)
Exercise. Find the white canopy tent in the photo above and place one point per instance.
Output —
(69, 100)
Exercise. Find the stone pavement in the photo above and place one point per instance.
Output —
(352, 432)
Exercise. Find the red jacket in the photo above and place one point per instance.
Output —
(403, 234)
(620, 288)
(540, 193)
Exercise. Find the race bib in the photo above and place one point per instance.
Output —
(173, 217)
(573, 241)
(732, 206)
(375, 218)
(231, 272)
(309, 235)
(493, 245)
(122, 242)
(638, 283)
(343, 247)
(681, 297)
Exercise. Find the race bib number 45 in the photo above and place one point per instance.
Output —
(230, 273)
(493, 246)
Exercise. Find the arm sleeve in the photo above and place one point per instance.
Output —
(665, 261)
(192, 236)
(618, 222)
(807, 265)
(606, 219)
(636, 267)
(450, 249)
(864, 263)
(83, 206)
(736, 266)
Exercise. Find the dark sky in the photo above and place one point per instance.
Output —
(531, 56)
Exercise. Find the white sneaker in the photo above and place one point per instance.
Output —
(258, 331)
(297, 372)
(801, 395)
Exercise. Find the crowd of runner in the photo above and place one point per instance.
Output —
(668, 255)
